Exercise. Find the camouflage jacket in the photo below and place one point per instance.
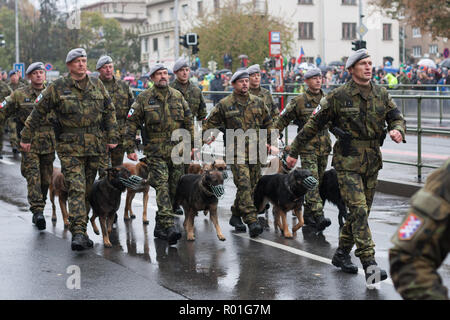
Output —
(422, 240)
(300, 108)
(268, 100)
(82, 117)
(229, 113)
(20, 84)
(5, 90)
(161, 111)
(346, 108)
(122, 98)
(194, 97)
(19, 106)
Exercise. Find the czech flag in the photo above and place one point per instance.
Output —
(302, 54)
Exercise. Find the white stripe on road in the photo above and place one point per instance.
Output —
(124, 197)
(300, 253)
(6, 162)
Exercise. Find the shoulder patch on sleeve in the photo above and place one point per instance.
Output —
(3, 104)
(130, 113)
(410, 226)
(317, 110)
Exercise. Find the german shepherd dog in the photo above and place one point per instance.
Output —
(140, 169)
(105, 200)
(329, 190)
(58, 188)
(197, 192)
(285, 192)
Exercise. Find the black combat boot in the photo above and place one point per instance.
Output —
(173, 235)
(39, 220)
(309, 220)
(255, 229)
(322, 223)
(160, 232)
(236, 222)
(375, 273)
(80, 242)
(341, 259)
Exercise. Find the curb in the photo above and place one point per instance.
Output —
(402, 189)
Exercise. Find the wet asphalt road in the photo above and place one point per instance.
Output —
(142, 267)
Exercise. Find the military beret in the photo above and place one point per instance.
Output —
(239, 75)
(12, 72)
(253, 69)
(75, 53)
(35, 66)
(156, 67)
(102, 61)
(180, 63)
(312, 73)
(356, 56)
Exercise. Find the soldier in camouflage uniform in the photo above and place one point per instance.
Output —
(162, 109)
(82, 107)
(5, 91)
(255, 88)
(422, 240)
(122, 98)
(36, 165)
(15, 82)
(242, 110)
(193, 96)
(360, 109)
(313, 155)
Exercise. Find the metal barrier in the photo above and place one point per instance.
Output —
(419, 130)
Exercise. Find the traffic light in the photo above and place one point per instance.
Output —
(195, 49)
(191, 39)
(358, 44)
(2, 40)
(183, 42)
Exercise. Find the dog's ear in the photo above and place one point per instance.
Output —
(208, 177)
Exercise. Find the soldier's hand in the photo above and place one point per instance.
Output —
(110, 146)
(291, 162)
(194, 154)
(210, 140)
(396, 136)
(273, 150)
(25, 146)
(132, 156)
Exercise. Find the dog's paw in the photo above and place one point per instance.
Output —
(133, 216)
(107, 244)
(97, 232)
(145, 222)
(190, 238)
(126, 218)
(221, 237)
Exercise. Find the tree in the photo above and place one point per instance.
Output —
(239, 30)
(430, 15)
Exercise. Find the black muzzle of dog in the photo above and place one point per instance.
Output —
(310, 183)
(133, 182)
(218, 190)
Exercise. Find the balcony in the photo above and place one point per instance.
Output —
(150, 29)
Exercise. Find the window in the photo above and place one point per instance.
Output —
(416, 33)
(184, 9)
(200, 8)
(172, 12)
(216, 5)
(155, 44)
(417, 51)
(433, 49)
(160, 15)
(305, 30)
(146, 45)
(349, 2)
(305, 1)
(349, 31)
(387, 31)
(167, 42)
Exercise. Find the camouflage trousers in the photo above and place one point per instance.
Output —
(164, 176)
(37, 169)
(317, 165)
(357, 191)
(2, 130)
(245, 178)
(79, 174)
(12, 128)
(112, 158)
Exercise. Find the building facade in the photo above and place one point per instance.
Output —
(129, 13)
(324, 28)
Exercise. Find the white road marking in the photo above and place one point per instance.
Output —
(124, 197)
(300, 253)
(6, 162)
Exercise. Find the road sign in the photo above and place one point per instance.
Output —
(362, 30)
(274, 49)
(20, 67)
(275, 37)
(48, 67)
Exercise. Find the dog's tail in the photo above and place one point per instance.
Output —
(258, 196)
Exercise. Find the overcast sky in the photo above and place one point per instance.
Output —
(70, 3)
